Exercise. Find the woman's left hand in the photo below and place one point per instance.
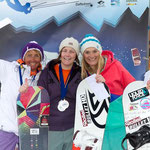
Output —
(99, 78)
(148, 85)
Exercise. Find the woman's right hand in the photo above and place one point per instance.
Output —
(24, 87)
(99, 78)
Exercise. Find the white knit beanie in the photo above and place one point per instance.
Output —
(90, 41)
(70, 42)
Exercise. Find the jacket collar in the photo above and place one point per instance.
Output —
(76, 68)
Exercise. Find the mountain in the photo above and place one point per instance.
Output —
(130, 32)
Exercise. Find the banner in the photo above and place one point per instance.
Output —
(120, 25)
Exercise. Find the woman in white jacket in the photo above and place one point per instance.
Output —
(12, 76)
(147, 79)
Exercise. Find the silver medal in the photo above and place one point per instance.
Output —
(63, 105)
(60, 108)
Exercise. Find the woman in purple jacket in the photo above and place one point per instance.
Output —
(61, 78)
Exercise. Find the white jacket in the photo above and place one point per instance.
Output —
(10, 80)
(146, 76)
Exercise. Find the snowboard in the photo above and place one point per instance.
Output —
(136, 108)
(92, 103)
(33, 111)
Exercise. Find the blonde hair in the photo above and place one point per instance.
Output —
(86, 67)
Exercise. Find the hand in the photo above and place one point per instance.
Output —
(16, 148)
(148, 85)
(24, 87)
(99, 78)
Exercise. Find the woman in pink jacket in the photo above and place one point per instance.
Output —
(102, 62)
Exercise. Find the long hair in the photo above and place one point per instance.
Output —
(86, 67)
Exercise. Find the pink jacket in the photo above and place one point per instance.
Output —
(117, 77)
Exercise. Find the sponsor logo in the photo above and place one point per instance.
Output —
(70, 43)
(132, 121)
(101, 3)
(133, 107)
(97, 108)
(92, 111)
(145, 103)
(136, 57)
(115, 2)
(44, 120)
(85, 108)
(136, 122)
(131, 2)
(138, 94)
(84, 4)
(34, 131)
(83, 117)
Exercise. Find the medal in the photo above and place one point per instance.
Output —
(60, 106)
(63, 105)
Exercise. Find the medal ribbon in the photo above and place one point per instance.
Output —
(21, 82)
(64, 86)
(20, 75)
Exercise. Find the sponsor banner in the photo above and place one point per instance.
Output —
(120, 25)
